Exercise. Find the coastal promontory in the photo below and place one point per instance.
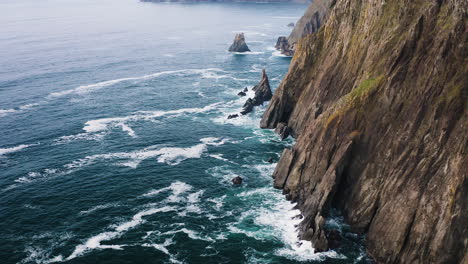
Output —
(376, 99)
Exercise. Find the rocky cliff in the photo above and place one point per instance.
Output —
(314, 17)
(377, 102)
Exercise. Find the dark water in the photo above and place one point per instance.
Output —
(114, 143)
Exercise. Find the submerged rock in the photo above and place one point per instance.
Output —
(239, 44)
(241, 93)
(270, 160)
(291, 24)
(237, 180)
(233, 116)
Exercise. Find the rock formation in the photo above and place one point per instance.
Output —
(283, 46)
(291, 24)
(236, 180)
(315, 16)
(239, 44)
(262, 94)
(376, 100)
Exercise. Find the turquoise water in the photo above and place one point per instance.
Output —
(114, 143)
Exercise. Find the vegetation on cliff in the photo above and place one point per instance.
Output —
(377, 101)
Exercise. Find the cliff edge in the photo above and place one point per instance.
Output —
(377, 101)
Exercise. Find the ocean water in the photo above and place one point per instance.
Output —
(114, 142)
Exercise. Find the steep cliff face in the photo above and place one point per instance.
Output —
(377, 101)
(314, 17)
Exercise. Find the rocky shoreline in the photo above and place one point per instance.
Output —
(376, 98)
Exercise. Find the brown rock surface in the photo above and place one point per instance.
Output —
(239, 44)
(314, 17)
(377, 101)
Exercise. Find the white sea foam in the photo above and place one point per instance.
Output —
(4, 151)
(176, 187)
(95, 241)
(191, 234)
(248, 53)
(218, 202)
(4, 112)
(127, 129)
(218, 156)
(81, 136)
(92, 87)
(98, 207)
(277, 219)
(105, 123)
(168, 155)
(223, 173)
(278, 53)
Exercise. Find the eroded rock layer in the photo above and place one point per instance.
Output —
(377, 101)
(315, 16)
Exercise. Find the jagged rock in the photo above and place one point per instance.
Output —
(262, 90)
(291, 24)
(233, 116)
(283, 46)
(237, 180)
(239, 44)
(270, 160)
(262, 93)
(248, 106)
(246, 90)
(282, 130)
(400, 82)
(314, 17)
(241, 94)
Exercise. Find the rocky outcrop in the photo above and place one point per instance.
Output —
(262, 94)
(237, 180)
(376, 100)
(315, 16)
(283, 46)
(239, 44)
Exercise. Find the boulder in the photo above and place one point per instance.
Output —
(291, 24)
(237, 180)
(232, 116)
(245, 90)
(270, 160)
(241, 93)
(239, 44)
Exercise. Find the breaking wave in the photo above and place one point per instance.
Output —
(4, 151)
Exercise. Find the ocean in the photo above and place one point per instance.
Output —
(115, 145)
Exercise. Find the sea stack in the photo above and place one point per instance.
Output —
(262, 94)
(239, 44)
(262, 89)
